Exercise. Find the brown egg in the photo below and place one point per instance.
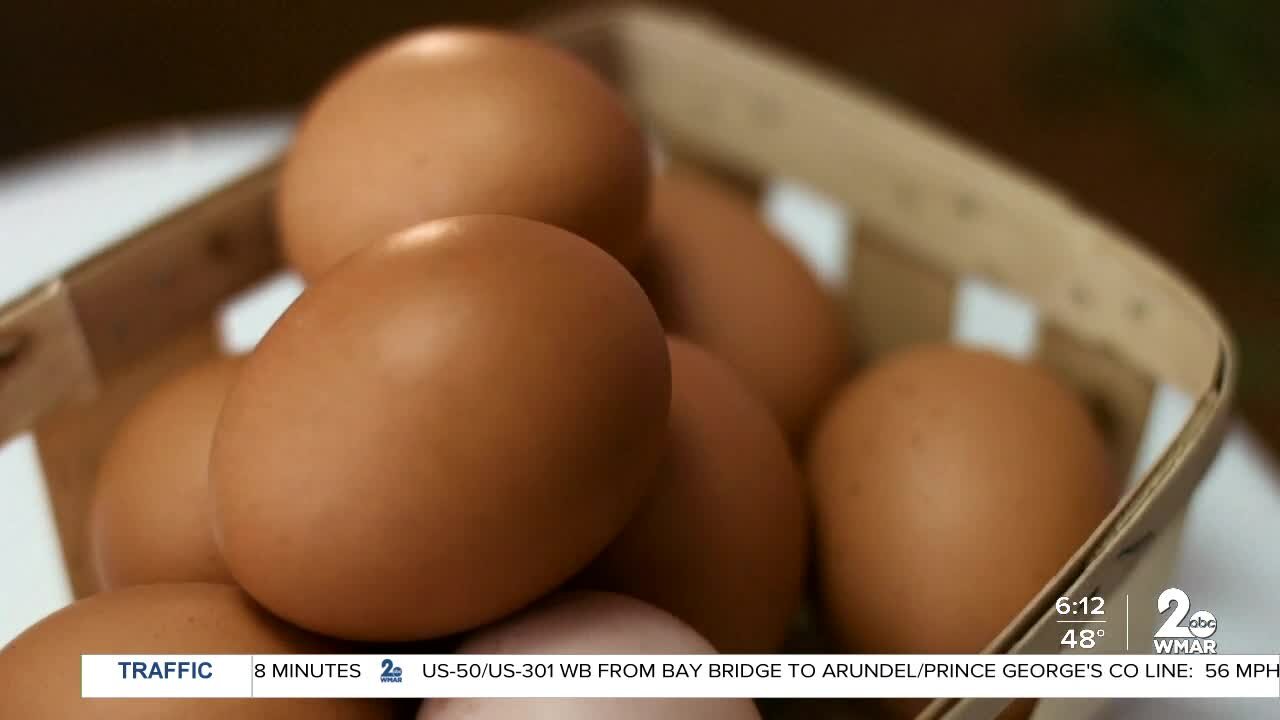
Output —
(460, 121)
(719, 276)
(149, 521)
(951, 485)
(722, 540)
(443, 428)
(589, 623)
(40, 669)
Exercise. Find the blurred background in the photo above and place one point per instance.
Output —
(1160, 115)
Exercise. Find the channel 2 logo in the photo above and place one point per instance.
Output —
(391, 673)
(1191, 638)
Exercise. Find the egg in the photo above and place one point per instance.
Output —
(458, 121)
(149, 518)
(446, 426)
(951, 485)
(722, 540)
(589, 623)
(40, 669)
(720, 277)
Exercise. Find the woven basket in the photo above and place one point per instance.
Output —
(76, 353)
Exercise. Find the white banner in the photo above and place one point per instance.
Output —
(747, 676)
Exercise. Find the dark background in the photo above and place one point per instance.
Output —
(1161, 115)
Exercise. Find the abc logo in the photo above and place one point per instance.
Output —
(1202, 624)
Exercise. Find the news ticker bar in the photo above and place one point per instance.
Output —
(638, 676)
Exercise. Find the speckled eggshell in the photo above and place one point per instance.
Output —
(445, 427)
(458, 121)
(951, 485)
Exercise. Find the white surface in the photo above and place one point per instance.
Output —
(57, 209)
(817, 228)
(244, 320)
(990, 317)
(32, 580)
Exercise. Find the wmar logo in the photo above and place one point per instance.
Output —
(391, 673)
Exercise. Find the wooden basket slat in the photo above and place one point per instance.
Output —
(136, 295)
(44, 360)
(71, 440)
(751, 108)
(1119, 394)
(895, 299)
